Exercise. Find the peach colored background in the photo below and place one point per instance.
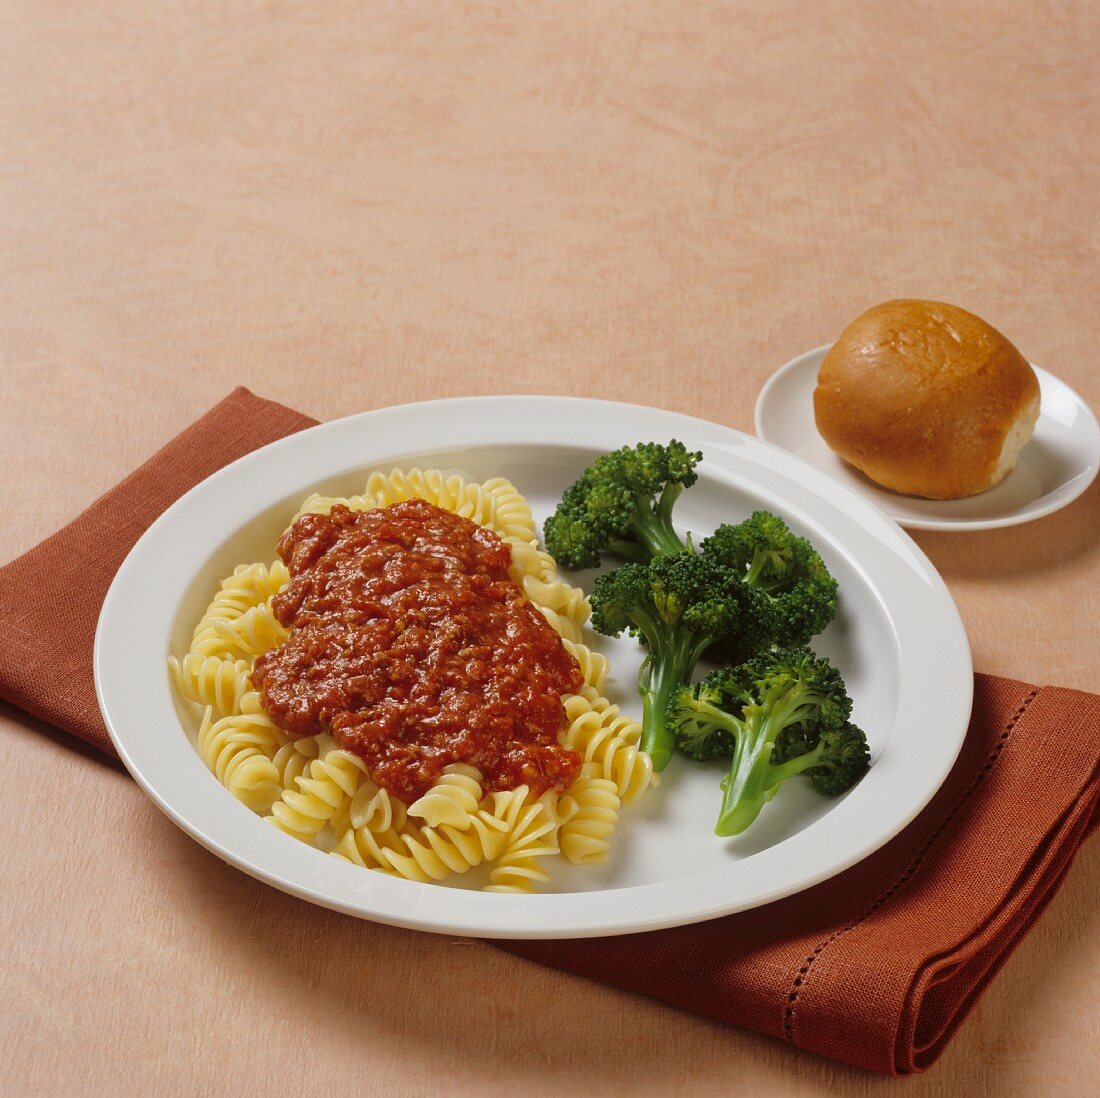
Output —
(345, 205)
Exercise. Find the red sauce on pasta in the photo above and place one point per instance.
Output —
(409, 644)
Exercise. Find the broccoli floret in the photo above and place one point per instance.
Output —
(840, 759)
(784, 713)
(622, 504)
(679, 606)
(692, 713)
(792, 707)
(786, 574)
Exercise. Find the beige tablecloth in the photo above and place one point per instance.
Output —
(344, 206)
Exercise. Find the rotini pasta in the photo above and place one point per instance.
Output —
(239, 750)
(532, 835)
(372, 821)
(432, 853)
(366, 848)
(246, 636)
(250, 585)
(325, 786)
(375, 809)
(607, 738)
(452, 800)
(211, 681)
(292, 761)
(317, 792)
(586, 837)
(593, 665)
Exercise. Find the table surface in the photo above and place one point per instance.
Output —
(344, 206)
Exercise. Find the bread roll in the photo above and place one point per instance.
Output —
(926, 399)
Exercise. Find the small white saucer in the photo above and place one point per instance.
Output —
(1053, 469)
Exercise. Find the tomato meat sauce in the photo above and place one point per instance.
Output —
(412, 647)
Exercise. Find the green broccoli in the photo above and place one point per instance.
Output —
(622, 504)
(698, 734)
(834, 765)
(780, 714)
(786, 574)
(679, 606)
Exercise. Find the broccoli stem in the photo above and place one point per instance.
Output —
(667, 666)
(703, 723)
(653, 526)
(760, 560)
(795, 766)
(628, 550)
(657, 741)
(753, 779)
(752, 576)
(711, 714)
(750, 783)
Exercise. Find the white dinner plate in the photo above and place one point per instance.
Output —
(1053, 469)
(897, 638)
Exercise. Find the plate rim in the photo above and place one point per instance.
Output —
(482, 914)
(1016, 518)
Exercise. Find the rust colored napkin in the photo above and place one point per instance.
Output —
(877, 966)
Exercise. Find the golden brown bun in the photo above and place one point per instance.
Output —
(926, 399)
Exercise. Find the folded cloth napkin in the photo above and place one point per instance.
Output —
(877, 967)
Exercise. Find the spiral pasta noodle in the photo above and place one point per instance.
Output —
(608, 739)
(569, 602)
(432, 853)
(529, 560)
(249, 586)
(239, 750)
(372, 821)
(245, 636)
(293, 759)
(532, 836)
(218, 683)
(593, 665)
(322, 795)
(453, 798)
(367, 849)
(586, 837)
(512, 517)
(374, 809)
(324, 787)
